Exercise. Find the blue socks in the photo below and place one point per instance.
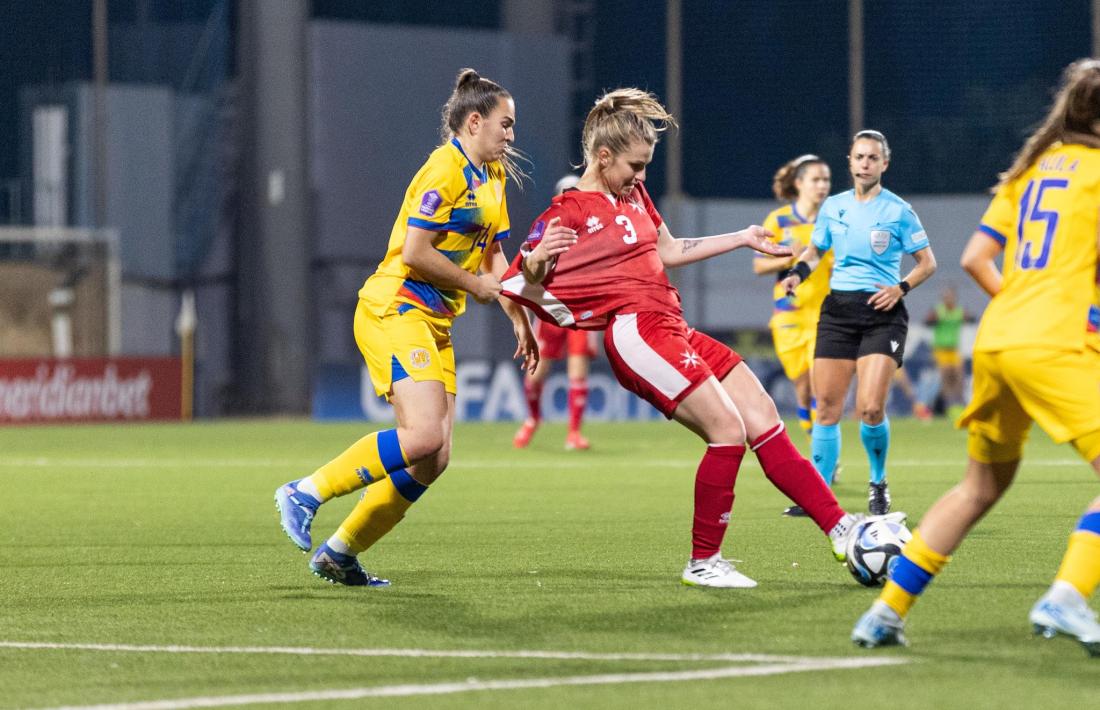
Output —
(825, 447)
(876, 440)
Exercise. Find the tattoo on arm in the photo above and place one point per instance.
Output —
(687, 245)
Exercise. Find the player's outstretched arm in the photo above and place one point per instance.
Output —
(419, 254)
(527, 347)
(677, 252)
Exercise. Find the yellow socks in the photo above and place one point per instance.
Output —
(382, 507)
(368, 460)
(1081, 564)
(913, 571)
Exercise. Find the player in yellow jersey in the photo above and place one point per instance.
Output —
(1036, 358)
(444, 244)
(803, 183)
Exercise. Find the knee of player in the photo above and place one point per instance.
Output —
(424, 442)
(872, 414)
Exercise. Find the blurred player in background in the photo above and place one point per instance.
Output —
(609, 273)
(1036, 358)
(804, 184)
(863, 321)
(579, 347)
(904, 383)
(444, 244)
(946, 319)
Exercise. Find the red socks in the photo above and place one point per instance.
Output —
(533, 392)
(714, 498)
(796, 477)
(578, 398)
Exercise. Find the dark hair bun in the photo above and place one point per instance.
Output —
(467, 77)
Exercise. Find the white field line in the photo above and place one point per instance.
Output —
(409, 652)
(511, 465)
(769, 665)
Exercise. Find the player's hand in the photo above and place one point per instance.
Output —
(790, 283)
(759, 239)
(885, 298)
(487, 288)
(527, 346)
(556, 240)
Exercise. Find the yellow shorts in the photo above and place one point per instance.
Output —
(946, 357)
(410, 344)
(794, 346)
(1058, 389)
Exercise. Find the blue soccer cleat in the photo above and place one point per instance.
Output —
(338, 568)
(879, 626)
(296, 512)
(1070, 616)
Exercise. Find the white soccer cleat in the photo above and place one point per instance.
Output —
(879, 626)
(715, 571)
(842, 532)
(1064, 611)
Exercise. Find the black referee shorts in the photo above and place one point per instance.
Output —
(849, 328)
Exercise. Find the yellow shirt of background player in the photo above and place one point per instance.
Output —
(803, 309)
(1047, 222)
(466, 207)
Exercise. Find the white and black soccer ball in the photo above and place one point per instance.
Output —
(873, 549)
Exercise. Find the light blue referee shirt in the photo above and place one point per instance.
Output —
(867, 238)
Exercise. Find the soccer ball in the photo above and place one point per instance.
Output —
(873, 550)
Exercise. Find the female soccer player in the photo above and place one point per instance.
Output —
(578, 347)
(610, 273)
(804, 184)
(1036, 357)
(448, 230)
(863, 320)
(946, 320)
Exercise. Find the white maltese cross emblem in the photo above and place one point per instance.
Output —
(689, 359)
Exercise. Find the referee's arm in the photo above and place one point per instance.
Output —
(802, 268)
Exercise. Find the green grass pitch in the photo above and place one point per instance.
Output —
(123, 546)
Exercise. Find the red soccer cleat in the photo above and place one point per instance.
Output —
(574, 441)
(526, 431)
(921, 411)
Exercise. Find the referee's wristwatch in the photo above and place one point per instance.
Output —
(905, 287)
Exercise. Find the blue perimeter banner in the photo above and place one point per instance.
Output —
(492, 392)
(487, 392)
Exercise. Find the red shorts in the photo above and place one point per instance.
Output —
(555, 342)
(659, 358)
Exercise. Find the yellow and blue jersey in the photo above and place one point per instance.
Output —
(790, 229)
(1047, 221)
(466, 207)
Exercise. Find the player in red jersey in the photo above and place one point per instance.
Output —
(578, 347)
(596, 259)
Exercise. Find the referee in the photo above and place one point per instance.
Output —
(863, 321)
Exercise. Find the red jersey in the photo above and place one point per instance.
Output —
(613, 268)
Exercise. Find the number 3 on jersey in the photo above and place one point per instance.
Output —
(631, 236)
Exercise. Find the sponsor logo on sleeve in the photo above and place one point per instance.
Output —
(920, 237)
(537, 231)
(430, 202)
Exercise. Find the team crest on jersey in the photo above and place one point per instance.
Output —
(420, 358)
(593, 224)
(430, 202)
(880, 240)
